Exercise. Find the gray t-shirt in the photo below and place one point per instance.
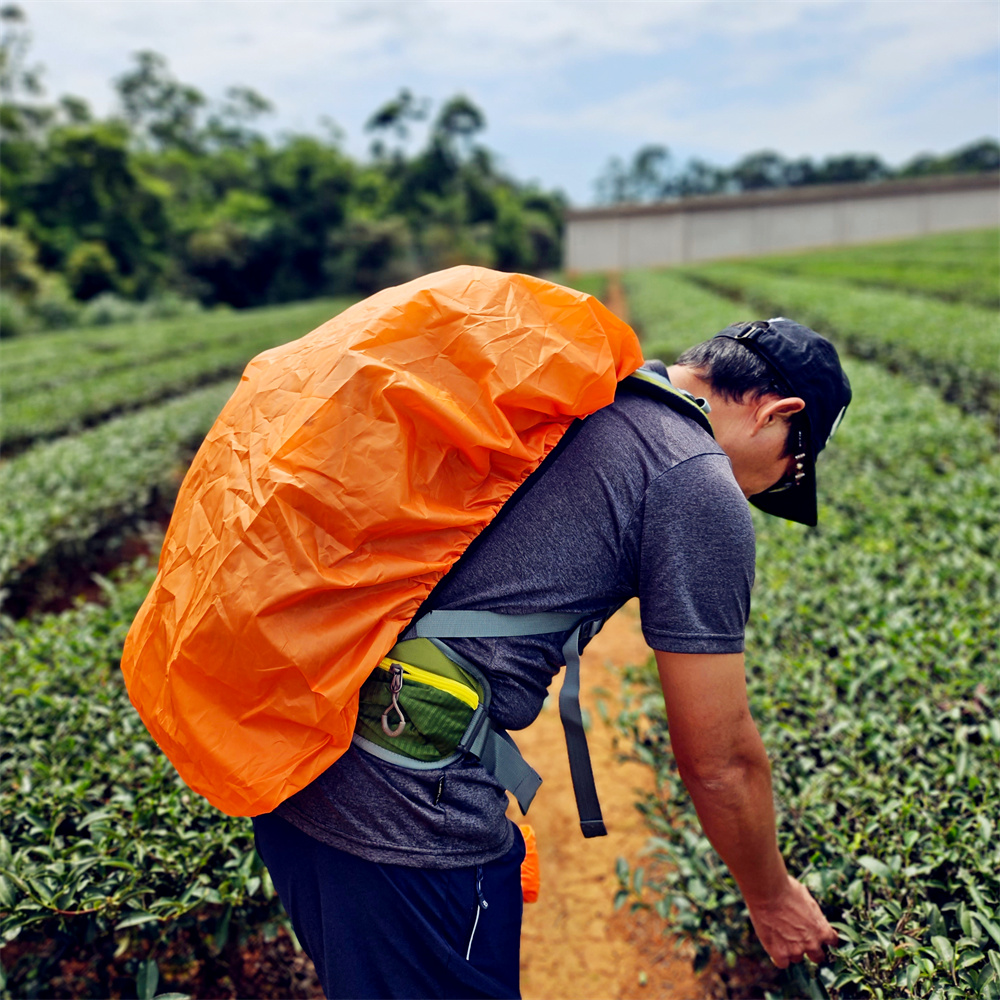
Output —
(641, 502)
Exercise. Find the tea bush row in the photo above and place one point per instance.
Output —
(873, 676)
(106, 859)
(952, 346)
(52, 359)
(98, 376)
(956, 267)
(670, 313)
(58, 496)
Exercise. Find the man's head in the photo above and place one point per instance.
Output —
(787, 394)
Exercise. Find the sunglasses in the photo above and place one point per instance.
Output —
(793, 479)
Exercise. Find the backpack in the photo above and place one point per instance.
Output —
(346, 474)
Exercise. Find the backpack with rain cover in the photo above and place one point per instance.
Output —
(347, 473)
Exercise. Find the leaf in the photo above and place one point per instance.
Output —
(874, 866)
(146, 980)
(222, 930)
(621, 870)
(971, 957)
(134, 919)
(991, 928)
(994, 957)
(944, 949)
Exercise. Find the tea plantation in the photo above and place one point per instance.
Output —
(872, 657)
(872, 649)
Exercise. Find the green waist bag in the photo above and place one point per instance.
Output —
(417, 705)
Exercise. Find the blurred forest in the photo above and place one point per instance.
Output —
(175, 202)
(653, 175)
(174, 199)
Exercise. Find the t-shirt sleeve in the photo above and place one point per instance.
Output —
(696, 553)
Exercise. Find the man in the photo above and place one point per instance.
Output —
(404, 881)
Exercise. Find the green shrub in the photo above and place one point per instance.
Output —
(109, 308)
(670, 313)
(61, 498)
(53, 306)
(106, 857)
(14, 318)
(956, 267)
(103, 372)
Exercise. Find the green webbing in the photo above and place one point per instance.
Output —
(659, 387)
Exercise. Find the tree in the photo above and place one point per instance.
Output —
(851, 168)
(758, 171)
(647, 178)
(20, 84)
(159, 109)
(230, 125)
(87, 188)
(396, 117)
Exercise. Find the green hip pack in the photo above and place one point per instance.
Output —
(425, 707)
(418, 704)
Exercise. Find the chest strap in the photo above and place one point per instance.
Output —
(496, 750)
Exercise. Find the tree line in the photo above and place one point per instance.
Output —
(653, 175)
(175, 201)
(177, 198)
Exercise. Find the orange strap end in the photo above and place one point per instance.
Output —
(531, 878)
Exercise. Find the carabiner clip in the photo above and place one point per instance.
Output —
(395, 686)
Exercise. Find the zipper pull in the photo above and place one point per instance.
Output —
(395, 686)
(483, 905)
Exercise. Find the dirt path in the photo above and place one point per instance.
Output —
(573, 943)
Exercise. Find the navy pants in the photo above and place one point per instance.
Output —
(384, 931)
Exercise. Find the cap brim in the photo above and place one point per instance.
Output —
(797, 504)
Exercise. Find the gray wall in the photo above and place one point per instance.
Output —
(615, 239)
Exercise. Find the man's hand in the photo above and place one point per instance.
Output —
(792, 926)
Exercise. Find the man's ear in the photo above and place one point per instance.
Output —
(771, 409)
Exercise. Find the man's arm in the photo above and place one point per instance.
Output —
(723, 763)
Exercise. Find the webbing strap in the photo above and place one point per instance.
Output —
(493, 744)
(491, 624)
(499, 755)
(580, 769)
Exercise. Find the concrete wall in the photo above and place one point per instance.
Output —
(615, 239)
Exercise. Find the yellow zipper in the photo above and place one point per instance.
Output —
(455, 688)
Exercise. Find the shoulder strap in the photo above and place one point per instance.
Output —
(644, 382)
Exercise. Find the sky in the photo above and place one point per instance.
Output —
(567, 84)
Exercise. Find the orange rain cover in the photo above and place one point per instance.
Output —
(347, 473)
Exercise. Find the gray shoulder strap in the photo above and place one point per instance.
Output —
(490, 624)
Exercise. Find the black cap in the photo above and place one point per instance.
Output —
(808, 364)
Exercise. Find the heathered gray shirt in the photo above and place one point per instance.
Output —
(641, 502)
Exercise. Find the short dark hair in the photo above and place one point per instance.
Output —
(735, 372)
